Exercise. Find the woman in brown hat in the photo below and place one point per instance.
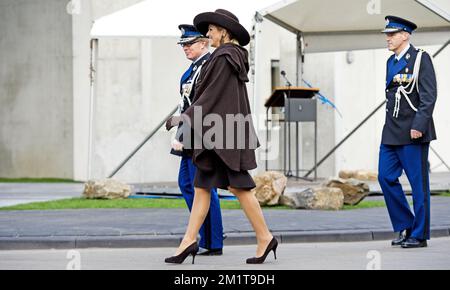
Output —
(223, 162)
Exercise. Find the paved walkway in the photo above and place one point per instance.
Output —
(324, 256)
(125, 228)
(19, 193)
(164, 227)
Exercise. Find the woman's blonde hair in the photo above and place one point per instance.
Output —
(230, 36)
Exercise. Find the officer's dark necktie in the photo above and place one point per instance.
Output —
(395, 61)
(186, 75)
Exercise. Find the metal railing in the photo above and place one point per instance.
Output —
(136, 150)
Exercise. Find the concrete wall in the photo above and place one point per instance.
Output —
(272, 43)
(360, 89)
(45, 89)
(441, 114)
(275, 43)
(45, 85)
(355, 82)
(319, 71)
(137, 86)
(36, 111)
(81, 27)
(89, 11)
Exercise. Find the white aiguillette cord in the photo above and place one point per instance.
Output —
(403, 90)
(176, 134)
(185, 97)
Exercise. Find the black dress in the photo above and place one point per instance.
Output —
(221, 176)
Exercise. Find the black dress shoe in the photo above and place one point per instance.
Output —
(210, 252)
(191, 250)
(412, 243)
(403, 236)
(271, 247)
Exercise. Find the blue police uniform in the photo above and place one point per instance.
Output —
(211, 232)
(411, 93)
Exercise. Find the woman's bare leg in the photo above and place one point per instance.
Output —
(253, 211)
(200, 208)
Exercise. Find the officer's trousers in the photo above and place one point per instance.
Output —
(413, 160)
(211, 232)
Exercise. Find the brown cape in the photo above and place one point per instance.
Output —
(221, 90)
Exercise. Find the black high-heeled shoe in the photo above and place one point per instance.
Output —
(191, 250)
(271, 247)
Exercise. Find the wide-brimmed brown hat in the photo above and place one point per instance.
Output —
(225, 19)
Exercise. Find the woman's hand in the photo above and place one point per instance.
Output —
(177, 146)
(173, 122)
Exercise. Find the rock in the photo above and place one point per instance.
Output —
(269, 187)
(346, 174)
(315, 199)
(106, 189)
(354, 190)
(364, 175)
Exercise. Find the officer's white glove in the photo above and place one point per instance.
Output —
(177, 146)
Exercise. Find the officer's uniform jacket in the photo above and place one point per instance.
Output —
(403, 115)
(187, 92)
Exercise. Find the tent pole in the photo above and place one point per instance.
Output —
(300, 58)
(257, 20)
(93, 71)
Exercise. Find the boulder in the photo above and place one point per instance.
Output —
(354, 190)
(106, 189)
(269, 187)
(314, 199)
(346, 174)
(364, 175)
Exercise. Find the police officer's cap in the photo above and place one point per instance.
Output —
(396, 24)
(189, 34)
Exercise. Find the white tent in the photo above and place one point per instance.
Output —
(320, 25)
(153, 19)
(356, 24)
(161, 18)
(346, 25)
(325, 25)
